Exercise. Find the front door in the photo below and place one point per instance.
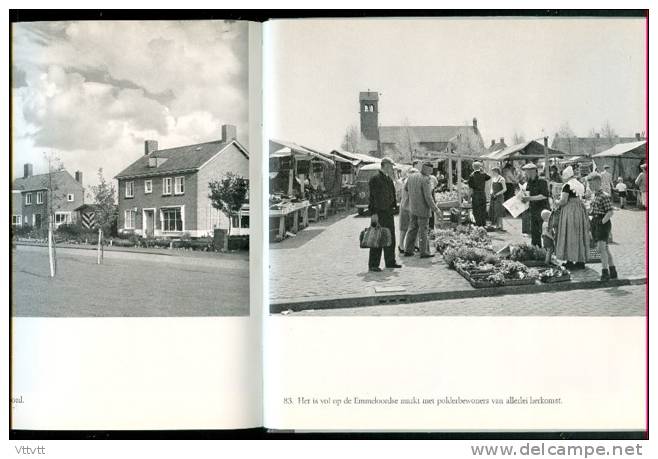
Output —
(149, 218)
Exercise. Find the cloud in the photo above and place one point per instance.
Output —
(89, 88)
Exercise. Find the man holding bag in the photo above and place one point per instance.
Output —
(382, 208)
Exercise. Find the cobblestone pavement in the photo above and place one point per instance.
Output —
(126, 285)
(618, 301)
(325, 260)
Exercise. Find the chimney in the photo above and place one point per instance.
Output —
(78, 177)
(493, 142)
(637, 136)
(27, 170)
(229, 132)
(150, 146)
(475, 123)
(502, 140)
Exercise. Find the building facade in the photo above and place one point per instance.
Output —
(34, 196)
(165, 192)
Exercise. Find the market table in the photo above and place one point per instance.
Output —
(283, 210)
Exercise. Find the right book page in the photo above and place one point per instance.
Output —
(403, 294)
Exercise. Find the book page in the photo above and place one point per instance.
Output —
(135, 302)
(469, 321)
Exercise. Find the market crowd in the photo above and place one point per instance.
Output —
(568, 213)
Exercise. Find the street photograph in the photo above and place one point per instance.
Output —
(130, 169)
(462, 167)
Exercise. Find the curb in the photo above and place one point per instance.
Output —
(105, 248)
(354, 301)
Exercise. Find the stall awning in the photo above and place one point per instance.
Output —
(526, 150)
(356, 158)
(281, 148)
(636, 150)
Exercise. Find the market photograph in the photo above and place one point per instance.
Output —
(130, 170)
(421, 173)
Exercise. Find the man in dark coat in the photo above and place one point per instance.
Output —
(382, 208)
(476, 183)
(538, 193)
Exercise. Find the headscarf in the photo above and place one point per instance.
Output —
(575, 185)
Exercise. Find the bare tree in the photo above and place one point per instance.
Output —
(518, 138)
(608, 133)
(52, 204)
(406, 143)
(566, 131)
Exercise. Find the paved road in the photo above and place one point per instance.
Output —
(325, 260)
(619, 301)
(127, 285)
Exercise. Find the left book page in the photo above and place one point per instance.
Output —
(135, 303)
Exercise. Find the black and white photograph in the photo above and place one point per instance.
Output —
(458, 167)
(130, 168)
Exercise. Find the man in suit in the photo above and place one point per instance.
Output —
(382, 207)
(421, 205)
(477, 182)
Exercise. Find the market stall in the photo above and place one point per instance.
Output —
(624, 160)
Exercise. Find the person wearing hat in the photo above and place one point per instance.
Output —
(572, 241)
(641, 182)
(382, 208)
(405, 216)
(537, 195)
(606, 180)
(476, 183)
(421, 205)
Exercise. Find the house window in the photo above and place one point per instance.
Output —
(39, 197)
(130, 189)
(172, 219)
(179, 185)
(16, 220)
(62, 218)
(166, 185)
(70, 197)
(148, 186)
(129, 219)
(28, 199)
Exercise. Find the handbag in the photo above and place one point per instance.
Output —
(375, 237)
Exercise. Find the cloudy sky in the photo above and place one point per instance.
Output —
(92, 92)
(514, 75)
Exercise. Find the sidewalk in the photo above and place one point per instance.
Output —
(323, 265)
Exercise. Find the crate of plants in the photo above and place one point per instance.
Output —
(529, 255)
(447, 199)
(462, 237)
(493, 272)
(553, 274)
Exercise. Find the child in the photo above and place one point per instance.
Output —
(601, 212)
(548, 240)
(621, 189)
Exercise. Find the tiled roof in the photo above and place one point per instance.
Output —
(393, 134)
(178, 159)
(60, 179)
(587, 145)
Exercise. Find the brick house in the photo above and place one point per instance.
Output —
(31, 195)
(165, 192)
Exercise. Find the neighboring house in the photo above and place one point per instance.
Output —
(588, 146)
(31, 197)
(406, 142)
(165, 192)
(497, 146)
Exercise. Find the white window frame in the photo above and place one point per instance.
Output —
(166, 186)
(149, 189)
(130, 185)
(129, 223)
(70, 197)
(17, 220)
(182, 217)
(67, 218)
(179, 185)
(28, 199)
(39, 197)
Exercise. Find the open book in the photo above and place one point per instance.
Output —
(186, 254)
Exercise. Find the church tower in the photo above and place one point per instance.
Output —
(369, 110)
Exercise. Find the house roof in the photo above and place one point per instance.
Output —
(497, 146)
(579, 146)
(41, 181)
(179, 159)
(627, 150)
(392, 134)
